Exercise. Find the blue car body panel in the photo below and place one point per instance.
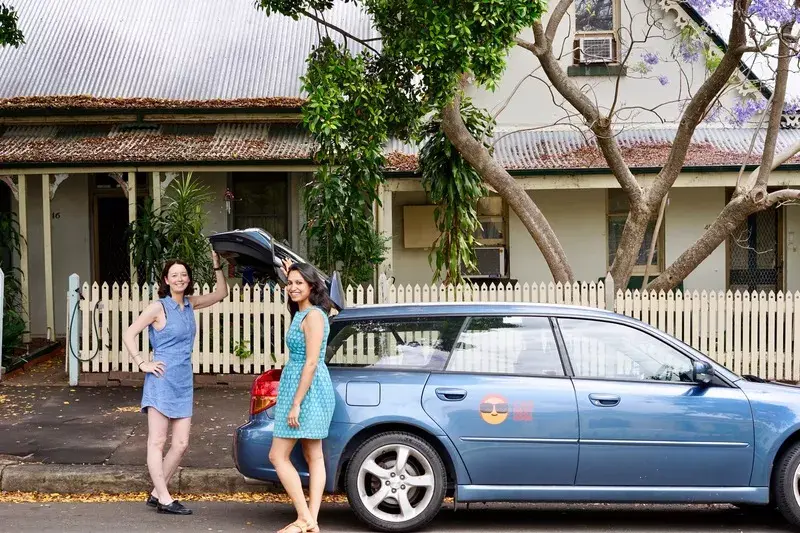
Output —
(538, 434)
(776, 416)
(660, 442)
(664, 434)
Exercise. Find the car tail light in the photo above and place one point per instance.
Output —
(264, 393)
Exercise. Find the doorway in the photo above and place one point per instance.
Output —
(110, 221)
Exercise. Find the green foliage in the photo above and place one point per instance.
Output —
(10, 34)
(147, 242)
(13, 319)
(185, 216)
(176, 233)
(357, 102)
(456, 188)
(241, 350)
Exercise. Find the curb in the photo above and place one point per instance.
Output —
(93, 479)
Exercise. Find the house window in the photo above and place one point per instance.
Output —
(595, 27)
(261, 201)
(492, 218)
(618, 208)
(594, 16)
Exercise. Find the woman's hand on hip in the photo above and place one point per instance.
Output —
(293, 419)
(154, 367)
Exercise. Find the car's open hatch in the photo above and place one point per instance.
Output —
(258, 250)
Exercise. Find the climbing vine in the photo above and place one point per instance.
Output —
(455, 187)
(357, 101)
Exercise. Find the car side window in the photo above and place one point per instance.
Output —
(415, 343)
(599, 349)
(521, 345)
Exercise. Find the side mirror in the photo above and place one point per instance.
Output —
(702, 372)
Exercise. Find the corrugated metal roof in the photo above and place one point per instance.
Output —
(166, 49)
(645, 147)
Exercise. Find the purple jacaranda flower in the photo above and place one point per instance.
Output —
(650, 58)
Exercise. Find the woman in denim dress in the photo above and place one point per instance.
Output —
(168, 392)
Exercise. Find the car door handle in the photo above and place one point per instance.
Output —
(604, 400)
(451, 395)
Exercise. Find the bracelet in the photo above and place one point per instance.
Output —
(140, 365)
(217, 268)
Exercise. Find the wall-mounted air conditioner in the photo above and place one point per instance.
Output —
(491, 263)
(598, 49)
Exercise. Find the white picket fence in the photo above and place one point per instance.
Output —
(750, 333)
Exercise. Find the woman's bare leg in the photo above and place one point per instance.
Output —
(290, 479)
(157, 426)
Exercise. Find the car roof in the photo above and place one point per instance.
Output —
(405, 310)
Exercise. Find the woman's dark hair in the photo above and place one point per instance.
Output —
(163, 288)
(319, 292)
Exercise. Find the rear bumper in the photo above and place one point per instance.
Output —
(251, 444)
(253, 440)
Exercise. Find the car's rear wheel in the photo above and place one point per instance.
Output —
(786, 485)
(396, 481)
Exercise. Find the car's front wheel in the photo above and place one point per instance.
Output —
(396, 482)
(786, 485)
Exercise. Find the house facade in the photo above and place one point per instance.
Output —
(107, 102)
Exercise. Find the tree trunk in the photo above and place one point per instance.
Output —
(629, 246)
(476, 154)
(734, 214)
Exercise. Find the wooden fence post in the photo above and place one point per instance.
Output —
(611, 293)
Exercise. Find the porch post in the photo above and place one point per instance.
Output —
(22, 203)
(155, 191)
(132, 217)
(385, 227)
(48, 257)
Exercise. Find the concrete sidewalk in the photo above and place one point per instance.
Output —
(93, 439)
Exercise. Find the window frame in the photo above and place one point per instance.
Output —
(638, 270)
(565, 366)
(613, 33)
(724, 378)
(338, 325)
(233, 177)
(718, 380)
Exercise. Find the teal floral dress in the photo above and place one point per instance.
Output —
(316, 410)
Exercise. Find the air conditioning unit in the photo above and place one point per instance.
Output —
(491, 263)
(596, 49)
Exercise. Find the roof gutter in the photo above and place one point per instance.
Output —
(519, 173)
(71, 115)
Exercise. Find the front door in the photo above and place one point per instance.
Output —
(506, 403)
(644, 422)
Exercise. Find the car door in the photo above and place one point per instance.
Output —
(643, 420)
(506, 403)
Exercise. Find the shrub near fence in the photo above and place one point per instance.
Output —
(750, 333)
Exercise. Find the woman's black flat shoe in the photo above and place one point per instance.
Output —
(152, 501)
(175, 507)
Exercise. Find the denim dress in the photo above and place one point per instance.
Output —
(173, 393)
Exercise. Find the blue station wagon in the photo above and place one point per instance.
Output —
(490, 402)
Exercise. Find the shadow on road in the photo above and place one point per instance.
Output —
(594, 518)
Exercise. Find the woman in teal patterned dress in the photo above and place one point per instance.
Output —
(306, 399)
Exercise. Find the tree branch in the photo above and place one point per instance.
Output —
(320, 20)
(555, 19)
(759, 188)
(476, 154)
(699, 103)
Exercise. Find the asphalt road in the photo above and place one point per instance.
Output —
(230, 517)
